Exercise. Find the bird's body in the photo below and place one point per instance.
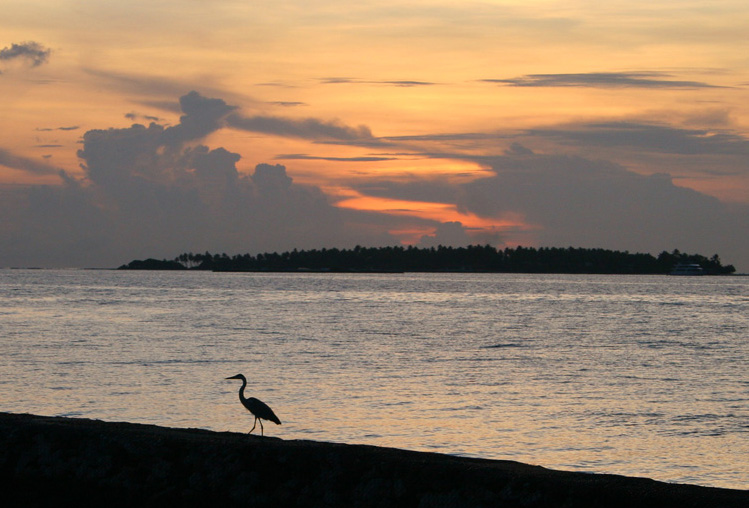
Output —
(260, 410)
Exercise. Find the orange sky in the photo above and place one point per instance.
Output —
(420, 113)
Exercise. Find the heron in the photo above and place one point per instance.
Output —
(259, 409)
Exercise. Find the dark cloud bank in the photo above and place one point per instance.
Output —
(156, 191)
(582, 202)
(591, 203)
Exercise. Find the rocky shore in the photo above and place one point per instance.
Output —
(47, 461)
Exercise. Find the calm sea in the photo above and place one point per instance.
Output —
(643, 376)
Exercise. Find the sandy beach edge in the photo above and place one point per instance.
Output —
(49, 461)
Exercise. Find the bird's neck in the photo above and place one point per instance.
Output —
(241, 390)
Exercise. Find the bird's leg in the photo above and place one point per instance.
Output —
(254, 425)
(261, 427)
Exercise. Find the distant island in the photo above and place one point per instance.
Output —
(475, 258)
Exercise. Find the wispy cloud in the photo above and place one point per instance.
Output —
(288, 104)
(50, 129)
(399, 83)
(601, 80)
(11, 160)
(149, 86)
(450, 136)
(648, 136)
(305, 128)
(301, 156)
(406, 83)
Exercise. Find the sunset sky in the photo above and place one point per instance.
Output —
(151, 128)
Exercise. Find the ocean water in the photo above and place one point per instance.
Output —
(636, 375)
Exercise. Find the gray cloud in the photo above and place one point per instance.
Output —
(148, 191)
(133, 116)
(338, 80)
(647, 136)
(449, 234)
(288, 104)
(454, 136)
(426, 190)
(50, 129)
(575, 201)
(601, 80)
(277, 84)
(307, 128)
(455, 234)
(589, 203)
(9, 159)
(32, 52)
(202, 116)
(399, 83)
(300, 156)
(155, 191)
(406, 83)
(155, 90)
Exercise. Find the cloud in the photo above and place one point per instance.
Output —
(50, 129)
(406, 83)
(518, 149)
(33, 53)
(159, 88)
(601, 80)
(448, 234)
(288, 104)
(338, 81)
(113, 156)
(597, 203)
(154, 191)
(455, 136)
(566, 200)
(202, 116)
(306, 128)
(648, 136)
(9, 159)
(636, 136)
(300, 156)
(271, 178)
(399, 83)
(422, 189)
(133, 116)
(455, 234)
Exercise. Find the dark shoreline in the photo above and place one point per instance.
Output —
(49, 461)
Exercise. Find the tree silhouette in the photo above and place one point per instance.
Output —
(474, 258)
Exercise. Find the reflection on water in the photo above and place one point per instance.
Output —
(643, 376)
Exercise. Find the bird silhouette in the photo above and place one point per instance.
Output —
(258, 408)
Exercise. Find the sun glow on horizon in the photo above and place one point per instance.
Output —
(438, 212)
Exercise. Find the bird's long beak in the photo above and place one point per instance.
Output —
(233, 377)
